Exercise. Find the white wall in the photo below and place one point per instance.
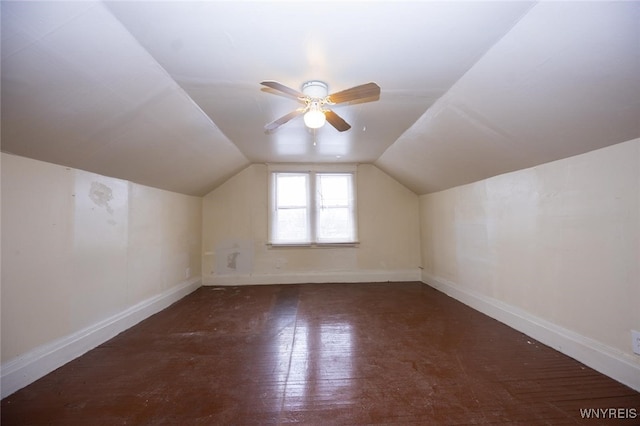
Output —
(553, 250)
(84, 256)
(235, 218)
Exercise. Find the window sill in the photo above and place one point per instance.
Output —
(313, 245)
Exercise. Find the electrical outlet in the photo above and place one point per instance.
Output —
(635, 339)
(187, 273)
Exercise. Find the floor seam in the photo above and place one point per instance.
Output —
(286, 380)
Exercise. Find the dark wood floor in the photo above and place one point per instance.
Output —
(392, 353)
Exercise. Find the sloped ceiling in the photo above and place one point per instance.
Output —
(167, 93)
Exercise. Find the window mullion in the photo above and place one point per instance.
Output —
(313, 206)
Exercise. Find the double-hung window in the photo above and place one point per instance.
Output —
(313, 206)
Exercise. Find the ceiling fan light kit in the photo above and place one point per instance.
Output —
(314, 96)
(314, 118)
(315, 92)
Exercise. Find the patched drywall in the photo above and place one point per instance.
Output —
(234, 257)
(235, 220)
(560, 241)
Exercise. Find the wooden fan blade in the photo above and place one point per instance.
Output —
(336, 121)
(282, 88)
(285, 118)
(369, 92)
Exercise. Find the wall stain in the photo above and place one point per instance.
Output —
(101, 194)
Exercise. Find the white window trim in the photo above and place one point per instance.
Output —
(311, 168)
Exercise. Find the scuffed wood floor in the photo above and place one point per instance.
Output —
(390, 353)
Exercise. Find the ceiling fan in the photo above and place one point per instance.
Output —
(315, 99)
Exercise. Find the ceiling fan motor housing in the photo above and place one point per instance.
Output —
(315, 89)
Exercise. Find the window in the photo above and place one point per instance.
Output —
(312, 207)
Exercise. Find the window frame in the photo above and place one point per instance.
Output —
(311, 170)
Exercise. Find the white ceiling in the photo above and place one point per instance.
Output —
(167, 94)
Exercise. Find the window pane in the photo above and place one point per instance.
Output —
(291, 190)
(291, 225)
(335, 225)
(333, 190)
(334, 207)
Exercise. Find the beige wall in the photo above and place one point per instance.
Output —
(78, 248)
(559, 241)
(235, 218)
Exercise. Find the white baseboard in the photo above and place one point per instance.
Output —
(370, 275)
(603, 358)
(31, 366)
